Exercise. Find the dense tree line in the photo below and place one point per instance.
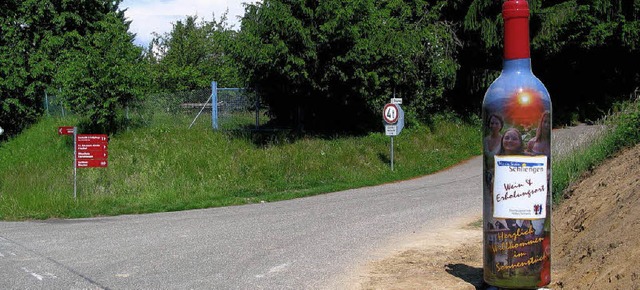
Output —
(318, 64)
(333, 64)
(585, 51)
(344, 58)
(81, 49)
(590, 54)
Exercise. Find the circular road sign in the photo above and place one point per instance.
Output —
(390, 113)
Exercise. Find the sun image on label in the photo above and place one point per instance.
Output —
(524, 107)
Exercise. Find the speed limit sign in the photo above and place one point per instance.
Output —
(390, 113)
(393, 117)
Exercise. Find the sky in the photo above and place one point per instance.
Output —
(158, 16)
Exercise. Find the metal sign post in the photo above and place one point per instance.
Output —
(393, 117)
(391, 153)
(71, 130)
(89, 150)
(75, 161)
(214, 105)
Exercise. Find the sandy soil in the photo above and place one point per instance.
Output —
(594, 241)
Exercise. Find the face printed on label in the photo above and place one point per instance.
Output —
(495, 124)
(512, 142)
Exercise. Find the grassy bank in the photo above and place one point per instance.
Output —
(166, 167)
(623, 131)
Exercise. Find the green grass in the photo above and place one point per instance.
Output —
(165, 167)
(624, 131)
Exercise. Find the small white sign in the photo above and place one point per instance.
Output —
(396, 101)
(391, 130)
(520, 187)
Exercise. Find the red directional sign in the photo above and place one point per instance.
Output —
(92, 146)
(65, 130)
(92, 138)
(92, 155)
(91, 150)
(91, 163)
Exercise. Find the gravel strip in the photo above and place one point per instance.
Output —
(566, 140)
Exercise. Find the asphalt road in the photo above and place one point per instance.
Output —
(299, 244)
(308, 243)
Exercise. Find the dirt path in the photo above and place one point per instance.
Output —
(450, 258)
(594, 241)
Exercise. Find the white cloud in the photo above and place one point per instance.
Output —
(150, 16)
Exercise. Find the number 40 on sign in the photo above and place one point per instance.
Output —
(393, 117)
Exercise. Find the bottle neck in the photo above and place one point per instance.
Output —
(519, 65)
(516, 29)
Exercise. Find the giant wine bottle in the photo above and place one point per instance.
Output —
(517, 165)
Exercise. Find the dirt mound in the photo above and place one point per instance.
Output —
(596, 229)
(594, 241)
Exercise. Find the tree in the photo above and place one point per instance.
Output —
(333, 64)
(585, 51)
(34, 35)
(193, 54)
(101, 76)
(478, 25)
(590, 54)
(21, 73)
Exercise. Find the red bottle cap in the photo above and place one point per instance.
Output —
(516, 29)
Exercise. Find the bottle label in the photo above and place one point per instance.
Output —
(520, 187)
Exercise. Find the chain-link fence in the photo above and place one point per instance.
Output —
(236, 109)
(55, 106)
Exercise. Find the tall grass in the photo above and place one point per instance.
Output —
(165, 167)
(623, 130)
